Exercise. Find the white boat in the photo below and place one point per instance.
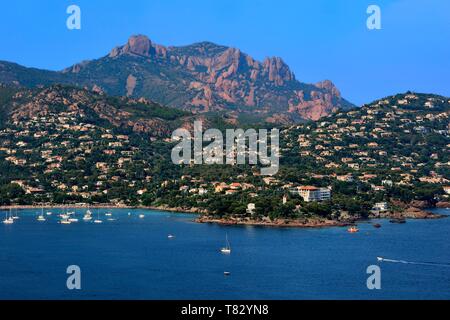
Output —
(70, 216)
(64, 216)
(171, 236)
(141, 216)
(380, 259)
(65, 221)
(111, 219)
(227, 249)
(49, 213)
(98, 218)
(88, 216)
(108, 214)
(41, 217)
(8, 220)
(15, 216)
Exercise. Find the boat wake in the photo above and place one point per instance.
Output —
(436, 264)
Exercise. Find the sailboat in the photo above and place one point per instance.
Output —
(65, 221)
(15, 217)
(41, 216)
(88, 215)
(8, 220)
(73, 219)
(227, 249)
(69, 216)
(64, 216)
(98, 218)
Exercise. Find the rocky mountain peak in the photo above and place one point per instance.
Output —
(138, 44)
(277, 70)
(328, 86)
(201, 77)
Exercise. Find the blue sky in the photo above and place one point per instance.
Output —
(319, 39)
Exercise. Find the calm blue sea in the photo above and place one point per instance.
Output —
(132, 258)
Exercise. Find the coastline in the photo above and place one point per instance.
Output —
(279, 223)
(409, 212)
(105, 206)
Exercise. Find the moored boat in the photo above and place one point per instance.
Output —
(65, 221)
(227, 249)
(41, 217)
(98, 218)
(353, 229)
(88, 215)
(8, 220)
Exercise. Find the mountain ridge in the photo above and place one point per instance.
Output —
(202, 77)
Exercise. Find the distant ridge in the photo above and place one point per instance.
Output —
(201, 78)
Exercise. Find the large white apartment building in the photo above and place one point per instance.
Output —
(312, 194)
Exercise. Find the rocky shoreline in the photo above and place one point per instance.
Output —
(409, 212)
(443, 204)
(282, 223)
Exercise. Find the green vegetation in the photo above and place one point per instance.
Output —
(396, 149)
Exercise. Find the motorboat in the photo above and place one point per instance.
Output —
(353, 229)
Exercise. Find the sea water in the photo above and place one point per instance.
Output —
(133, 258)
